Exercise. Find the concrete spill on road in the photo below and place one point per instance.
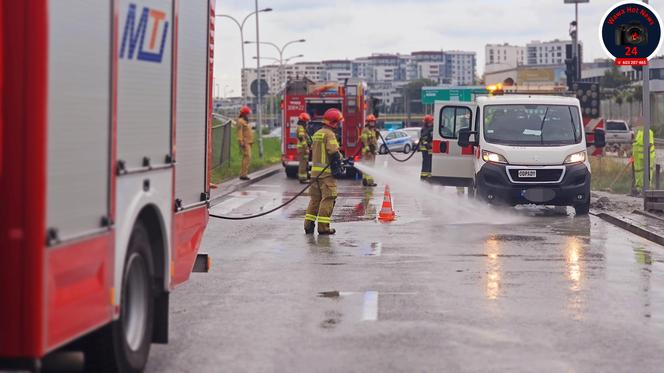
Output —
(450, 208)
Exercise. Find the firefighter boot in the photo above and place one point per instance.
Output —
(309, 226)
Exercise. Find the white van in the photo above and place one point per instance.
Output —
(515, 149)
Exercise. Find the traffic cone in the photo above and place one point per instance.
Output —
(386, 211)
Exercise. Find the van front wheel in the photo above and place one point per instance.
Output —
(582, 209)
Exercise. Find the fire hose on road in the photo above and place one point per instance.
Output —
(301, 192)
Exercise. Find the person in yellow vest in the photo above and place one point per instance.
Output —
(637, 154)
(245, 137)
(369, 145)
(303, 144)
(326, 160)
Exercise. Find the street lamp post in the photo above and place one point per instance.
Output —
(575, 36)
(646, 128)
(240, 25)
(280, 50)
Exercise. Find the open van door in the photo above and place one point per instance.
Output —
(452, 165)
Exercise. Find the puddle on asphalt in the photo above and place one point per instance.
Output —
(516, 238)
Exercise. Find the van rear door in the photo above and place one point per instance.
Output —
(451, 164)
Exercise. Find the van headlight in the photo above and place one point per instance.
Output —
(488, 156)
(579, 157)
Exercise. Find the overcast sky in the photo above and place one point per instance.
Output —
(345, 29)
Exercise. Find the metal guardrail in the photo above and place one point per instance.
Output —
(659, 142)
(221, 143)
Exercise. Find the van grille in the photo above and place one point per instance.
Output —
(544, 175)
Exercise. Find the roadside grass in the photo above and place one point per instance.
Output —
(271, 156)
(611, 175)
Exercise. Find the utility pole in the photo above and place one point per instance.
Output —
(646, 127)
(259, 113)
(575, 36)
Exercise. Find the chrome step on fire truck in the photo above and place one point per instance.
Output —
(104, 153)
(516, 149)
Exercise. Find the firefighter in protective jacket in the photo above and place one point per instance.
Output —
(303, 144)
(326, 161)
(426, 139)
(369, 145)
(245, 137)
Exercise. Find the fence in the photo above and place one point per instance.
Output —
(221, 143)
(631, 111)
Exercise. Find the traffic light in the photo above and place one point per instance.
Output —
(588, 95)
(571, 71)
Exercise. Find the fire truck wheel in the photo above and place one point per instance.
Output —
(124, 345)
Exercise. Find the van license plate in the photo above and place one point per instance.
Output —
(528, 173)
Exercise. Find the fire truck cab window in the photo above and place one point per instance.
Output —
(453, 119)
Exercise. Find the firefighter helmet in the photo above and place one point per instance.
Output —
(371, 118)
(304, 117)
(332, 118)
(245, 110)
(428, 119)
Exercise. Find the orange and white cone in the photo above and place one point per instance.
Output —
(386, 211)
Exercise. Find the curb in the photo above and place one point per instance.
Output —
(234, 185)
(643, 233)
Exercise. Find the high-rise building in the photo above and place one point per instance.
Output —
(337, 70)
(460, 67)
(503, 56)
(550, 52)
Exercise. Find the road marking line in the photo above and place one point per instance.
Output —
(370, 308)
(232, 203)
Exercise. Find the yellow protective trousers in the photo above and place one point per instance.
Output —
(323, 195)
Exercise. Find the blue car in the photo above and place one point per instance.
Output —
(395, 141)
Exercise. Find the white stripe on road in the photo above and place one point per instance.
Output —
(236, 200)
(370, 307)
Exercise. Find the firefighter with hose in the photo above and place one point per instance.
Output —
(245, 137)
(303, 144)
(637, 154)
(369, 145)
(327, 162)
(426, 139)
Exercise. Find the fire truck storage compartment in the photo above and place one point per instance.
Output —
(317, 108)
(79, 118)
(144, 89)
(191, 102)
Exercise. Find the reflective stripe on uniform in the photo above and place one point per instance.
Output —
(310, 217)
(324, 219)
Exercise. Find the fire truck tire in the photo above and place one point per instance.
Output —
(291, 172)
(124, 345)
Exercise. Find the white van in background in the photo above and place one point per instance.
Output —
(515, 150)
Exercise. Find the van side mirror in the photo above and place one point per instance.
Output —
(600, 138)
(464, 137)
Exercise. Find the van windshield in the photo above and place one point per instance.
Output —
(532, 125)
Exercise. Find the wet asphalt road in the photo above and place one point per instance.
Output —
(448, 286)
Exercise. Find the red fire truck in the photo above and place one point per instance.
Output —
(303, 95)
(104, 153)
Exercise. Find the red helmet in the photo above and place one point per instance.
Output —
(371, 118)
(245, 110)
(332, 118)
(304, 117)
(428, 119)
